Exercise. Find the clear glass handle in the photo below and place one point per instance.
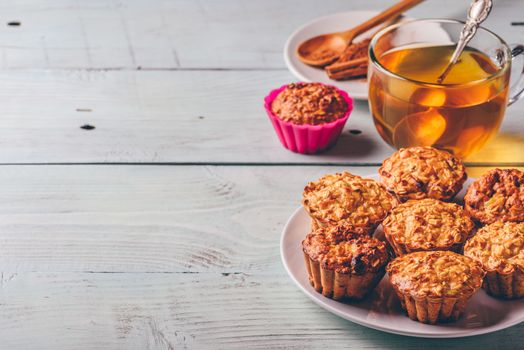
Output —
(517, 90)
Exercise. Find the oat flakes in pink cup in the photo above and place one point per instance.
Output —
(311, 136)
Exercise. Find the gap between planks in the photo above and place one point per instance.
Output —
(154, 69)
(207, 273)
(246, 164)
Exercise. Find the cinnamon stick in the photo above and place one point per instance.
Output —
(341, 66)
(350, 73)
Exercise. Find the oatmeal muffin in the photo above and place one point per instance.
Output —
(423, 172)
(435, 286)
(343, 264)
(427, 224)
(498, 195)
(308, 118)
(309, 103)
(499, 247)
(346, 198)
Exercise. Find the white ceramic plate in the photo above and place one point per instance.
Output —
(381, 310)
(358, 88)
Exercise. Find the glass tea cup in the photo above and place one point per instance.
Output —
(458, 115)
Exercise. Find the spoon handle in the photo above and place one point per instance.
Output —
(477, 13)
(383, 16)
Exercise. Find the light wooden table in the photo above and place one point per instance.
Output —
(159, 229)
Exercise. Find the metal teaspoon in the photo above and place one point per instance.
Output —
(477, 13)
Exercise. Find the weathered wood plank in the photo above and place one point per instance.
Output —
(165, 257)
(185, 33)
(176, 116)
(149, 218)
(198, 311)
(189, 255)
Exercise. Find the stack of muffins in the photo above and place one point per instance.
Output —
(434, 255)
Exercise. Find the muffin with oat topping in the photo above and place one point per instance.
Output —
(309, 103)
(423, 172)
(343, 264)
(499, 247)
(498, 195)
(434, 286)
(345, 198)
(308, 117)
(427, 224)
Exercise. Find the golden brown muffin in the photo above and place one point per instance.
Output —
(498, 195)
(309, 103)
(343, 264)
(499, 247)
(435, 286)
(423, 172)
(347, 198)
(427, 224)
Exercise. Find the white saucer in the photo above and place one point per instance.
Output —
(358, 88)
(381, 310)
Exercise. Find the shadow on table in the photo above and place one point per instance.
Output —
(504, 339)
(353, 145)
(359, 138)
(372, 339)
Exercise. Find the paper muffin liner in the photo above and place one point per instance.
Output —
(305, 138)
(338, 285)
(429, 310)
(506, 286)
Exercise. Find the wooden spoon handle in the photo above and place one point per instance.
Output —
(385, 15)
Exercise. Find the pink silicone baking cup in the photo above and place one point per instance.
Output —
(305, 138)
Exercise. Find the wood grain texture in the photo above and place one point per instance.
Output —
(189, 311)
(165, 257)
(82, 68)
(171, 257)
(147, 218)
(178, 116)
(231, 34)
